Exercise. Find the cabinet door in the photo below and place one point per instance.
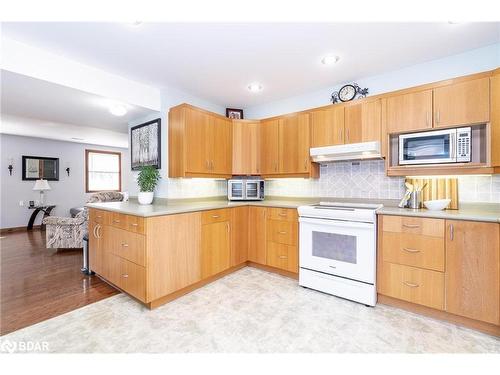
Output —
(215, 248)
(294, 144)
(409, 112)
(198, 141)
(269, 152)
(246, 147)
(239, 235)
(371, 121)
(472, 270)
(462, 103)
(327, 127)
(353, 124)
(257, 234)
(95, 246)
(221, 145)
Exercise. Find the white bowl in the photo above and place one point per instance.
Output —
(438, 204)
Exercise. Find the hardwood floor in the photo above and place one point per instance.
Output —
(39, 283)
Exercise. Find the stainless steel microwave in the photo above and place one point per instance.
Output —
(436, 147)
(245, 190)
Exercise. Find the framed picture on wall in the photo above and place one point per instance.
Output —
(37, 167)
(234, 113)
(145, 145)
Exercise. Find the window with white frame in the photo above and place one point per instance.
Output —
(103, 171)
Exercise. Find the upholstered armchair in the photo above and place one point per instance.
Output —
(68, 232)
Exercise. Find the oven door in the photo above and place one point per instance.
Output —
(235, 190)
(340, 248)
(252, 189)
(432, 147)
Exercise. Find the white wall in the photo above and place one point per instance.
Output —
(179, 187)
(66, 193)
(478, 60)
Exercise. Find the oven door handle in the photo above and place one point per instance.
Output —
(336, 223)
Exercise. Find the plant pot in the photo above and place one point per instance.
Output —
(145, 197)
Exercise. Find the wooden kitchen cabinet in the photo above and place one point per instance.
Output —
(257, 237)
(473, 270)
(363, 122)
(215, 247)
(200, 143)
(239, 235)
(97, 240)
(246, 147)
(327, 127)
(409, 112)
(269, 152)
(294, 144)
(462, 103)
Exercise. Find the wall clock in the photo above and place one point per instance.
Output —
(348, 92)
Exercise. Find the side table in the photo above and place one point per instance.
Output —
(46, 212)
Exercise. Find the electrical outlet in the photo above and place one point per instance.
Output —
(21, 203)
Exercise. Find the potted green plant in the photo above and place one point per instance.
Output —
(147, 181)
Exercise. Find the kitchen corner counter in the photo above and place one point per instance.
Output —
(487, 212)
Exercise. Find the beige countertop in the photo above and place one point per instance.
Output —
(489, 212)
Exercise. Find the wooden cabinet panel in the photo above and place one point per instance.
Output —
(282, 256)
(128, 245)
(269, 155)
(462, 103)
(257, 237)
(215, 248)
(246, 147)
(133, 279)
(198, 141)
(284, 232)
(288, 214)
(294, 144)
(174, 247)
(473, 270)
(215, 216)
(412, 284)
(98, 242)
(495, 119)
(409, 112)
(221, 146)
(353, 124)
(327, 127)
(239, 235)
(413, 225)
(413, 250)
(371, 121)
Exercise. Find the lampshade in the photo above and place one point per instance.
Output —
(41, 185)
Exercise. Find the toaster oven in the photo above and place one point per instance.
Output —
(245, 190)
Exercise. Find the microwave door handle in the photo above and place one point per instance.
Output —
(453, 146)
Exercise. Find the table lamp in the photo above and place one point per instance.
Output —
(41, 185)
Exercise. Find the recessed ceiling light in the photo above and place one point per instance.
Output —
(330, 59)
(117, 109)
(453, 22)
(136, 23)
(77, 139)
(255, 87)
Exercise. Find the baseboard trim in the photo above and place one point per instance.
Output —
(19, 229)
(488, 328)
(281, 272)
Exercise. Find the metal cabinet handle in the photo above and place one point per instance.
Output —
(451, 232)
(411, 285)
(212, 165)
(411, 225)
(282, 257)
(125, 244)
(98, 231)
(347, 135)
(276, 167)
(282, 214)
(125, 275)
(411, 250)
(215, 216)
(207, 164)
(99, 216)
(340, 135)
(95, 230)
(282, 232)
(438, 117)
(427, 118)
(134, 224)
(116, 221)
(228, 227)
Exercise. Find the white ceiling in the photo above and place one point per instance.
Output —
(34, 98)
(217, 61)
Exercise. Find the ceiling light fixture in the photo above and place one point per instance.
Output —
(117, 110)
(330, 59)
(255, 87)
(136, 23)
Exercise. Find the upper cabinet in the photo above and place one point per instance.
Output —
(327, 127)
(200, 143)
(409, 112)
(269, 146)
(246, 147)
(462, 103)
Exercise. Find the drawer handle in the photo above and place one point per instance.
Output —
(282, 214)
(408, 250)
(282, 232)
(125, 244)
(411, 285)
(134, 224)
(125, 275)
(282, 257)
(215, 216)
(411, 225)
(116, 221)
(99, 217)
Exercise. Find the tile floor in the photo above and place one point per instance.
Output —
(251, 311)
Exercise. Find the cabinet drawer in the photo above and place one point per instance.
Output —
(283, 232)
(285, 214)
(412, 284)
(128, 245)
(413, 225)
(99, 216)
(215, 216)
(134, 224)
(118, 220)
(126, 275)
(413, 250)
(282, 256)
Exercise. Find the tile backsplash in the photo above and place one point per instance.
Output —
(367, 179)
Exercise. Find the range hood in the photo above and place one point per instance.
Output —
(352, 151)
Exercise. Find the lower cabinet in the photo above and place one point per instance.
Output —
(257, 234)
(215, 248)
(448, 265)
